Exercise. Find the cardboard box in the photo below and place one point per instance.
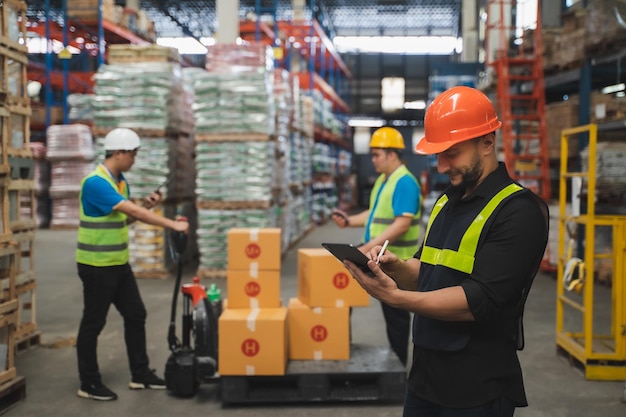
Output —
(319, 333)
(324, 282)
(254, 249)
(253, 289)
(253, 341)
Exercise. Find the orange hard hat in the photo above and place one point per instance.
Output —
(387, 137)
(456, 115)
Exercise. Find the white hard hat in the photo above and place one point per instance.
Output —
(121, 139)
(33, 88)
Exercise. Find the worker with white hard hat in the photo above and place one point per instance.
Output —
(102, 259)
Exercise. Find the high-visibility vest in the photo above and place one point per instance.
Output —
(462, 259)
(436, 334)
(405, 245)
(102, 241)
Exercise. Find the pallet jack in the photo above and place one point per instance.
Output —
(188, 366)
(371, 374)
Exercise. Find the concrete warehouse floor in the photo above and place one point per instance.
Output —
(554, 388)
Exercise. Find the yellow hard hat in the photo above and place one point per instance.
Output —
(387, 137)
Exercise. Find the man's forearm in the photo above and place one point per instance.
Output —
(135, 212)
(448, 304)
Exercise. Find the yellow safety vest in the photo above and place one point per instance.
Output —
(405, 245)
(102, 241)
(463, 259)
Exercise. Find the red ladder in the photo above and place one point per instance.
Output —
(520, 97)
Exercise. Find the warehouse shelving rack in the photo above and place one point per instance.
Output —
(77, 77)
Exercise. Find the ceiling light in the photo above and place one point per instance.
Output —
(610, 89)
(366, 122)
(415, 105)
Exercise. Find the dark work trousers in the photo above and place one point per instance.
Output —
(103, 286)
(398, 324)
(416, 407)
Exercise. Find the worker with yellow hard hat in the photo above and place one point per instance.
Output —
(467, 284)
(393, 216)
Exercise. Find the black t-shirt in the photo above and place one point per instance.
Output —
(467, 364)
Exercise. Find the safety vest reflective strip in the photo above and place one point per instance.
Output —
(98, 225)
(414, 222)
(463, 259)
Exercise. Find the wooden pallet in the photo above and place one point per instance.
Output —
(131, 54)
(233, 137)
(27, 340)
(64, 226)
(155, 274)
(232, 205)
(372, 374)
(11, 393)
(210, 273)
(170, 133)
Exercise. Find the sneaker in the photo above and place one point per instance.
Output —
(96, 392)
(147, 381)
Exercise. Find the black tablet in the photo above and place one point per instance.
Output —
(343, 251)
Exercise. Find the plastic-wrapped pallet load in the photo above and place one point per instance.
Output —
(81, 108)
(140, 96)
(71, 154)
(241, 164)
(235, 171)
(231, 102)
(610, 170)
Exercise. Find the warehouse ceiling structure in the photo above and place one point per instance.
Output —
(340, 19)
(175, 18)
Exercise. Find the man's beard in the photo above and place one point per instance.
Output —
(471, 175)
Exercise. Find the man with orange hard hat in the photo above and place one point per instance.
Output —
(393, 215)
(468, 282)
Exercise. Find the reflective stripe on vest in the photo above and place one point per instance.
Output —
(102, 241)
(463, 259)
(405, 245)
(98, 225)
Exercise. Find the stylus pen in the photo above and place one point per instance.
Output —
(382, 251)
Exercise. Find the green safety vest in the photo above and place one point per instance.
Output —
(102, 241)
(463, 259)
(405, 246)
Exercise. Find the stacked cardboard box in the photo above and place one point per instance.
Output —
(253, 327)
(565, 49)
(604, 26)
(561, 115)
(319, 318)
